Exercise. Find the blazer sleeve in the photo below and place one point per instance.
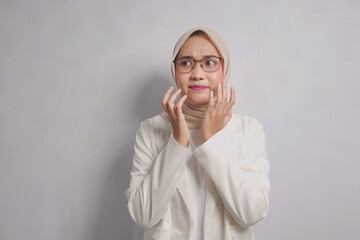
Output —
(239, 172)
(154, 178)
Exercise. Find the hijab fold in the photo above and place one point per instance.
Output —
(194, 114)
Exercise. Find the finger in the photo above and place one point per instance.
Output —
(225, 91)
(179, 104)
(232, 99)
(170, 102)
(166, 96)
(211, 101)
(174, 96)
(232, 95)
(227, 117)
(219, 94)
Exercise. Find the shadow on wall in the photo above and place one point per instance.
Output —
(113, 221)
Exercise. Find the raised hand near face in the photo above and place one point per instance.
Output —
(218, 113)
(180, 129)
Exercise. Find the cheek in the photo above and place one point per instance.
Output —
(216, 79)
(180, 81)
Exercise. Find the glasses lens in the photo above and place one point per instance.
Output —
(210, 64)
(184, 65)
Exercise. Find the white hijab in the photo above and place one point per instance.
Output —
(194, 114)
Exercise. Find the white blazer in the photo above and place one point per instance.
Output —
(237, 188)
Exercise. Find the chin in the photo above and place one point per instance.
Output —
(198, 102)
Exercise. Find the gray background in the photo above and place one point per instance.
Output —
(78, 77)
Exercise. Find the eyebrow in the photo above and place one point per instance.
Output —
(190, 57)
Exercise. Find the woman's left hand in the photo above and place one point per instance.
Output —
(217, 114)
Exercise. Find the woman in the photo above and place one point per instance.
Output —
(199, 171)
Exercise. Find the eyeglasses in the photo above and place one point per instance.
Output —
(208, 64)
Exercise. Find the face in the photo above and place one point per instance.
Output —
(197, 84)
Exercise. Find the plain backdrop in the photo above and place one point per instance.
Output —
(78, 77)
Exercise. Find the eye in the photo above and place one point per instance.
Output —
(185, 62)
(210, 61)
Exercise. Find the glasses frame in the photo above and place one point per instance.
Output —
(195, 61)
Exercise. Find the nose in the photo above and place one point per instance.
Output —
(197, 73)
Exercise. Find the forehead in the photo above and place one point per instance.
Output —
(198, 45)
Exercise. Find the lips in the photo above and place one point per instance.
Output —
(198, 87)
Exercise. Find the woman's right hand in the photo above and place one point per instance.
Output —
(180, 129)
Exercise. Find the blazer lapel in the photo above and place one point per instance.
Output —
(211, 198)
(183, 190)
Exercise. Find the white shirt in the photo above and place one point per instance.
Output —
(196, 179)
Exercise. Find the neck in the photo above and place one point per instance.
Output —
(194, 114)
